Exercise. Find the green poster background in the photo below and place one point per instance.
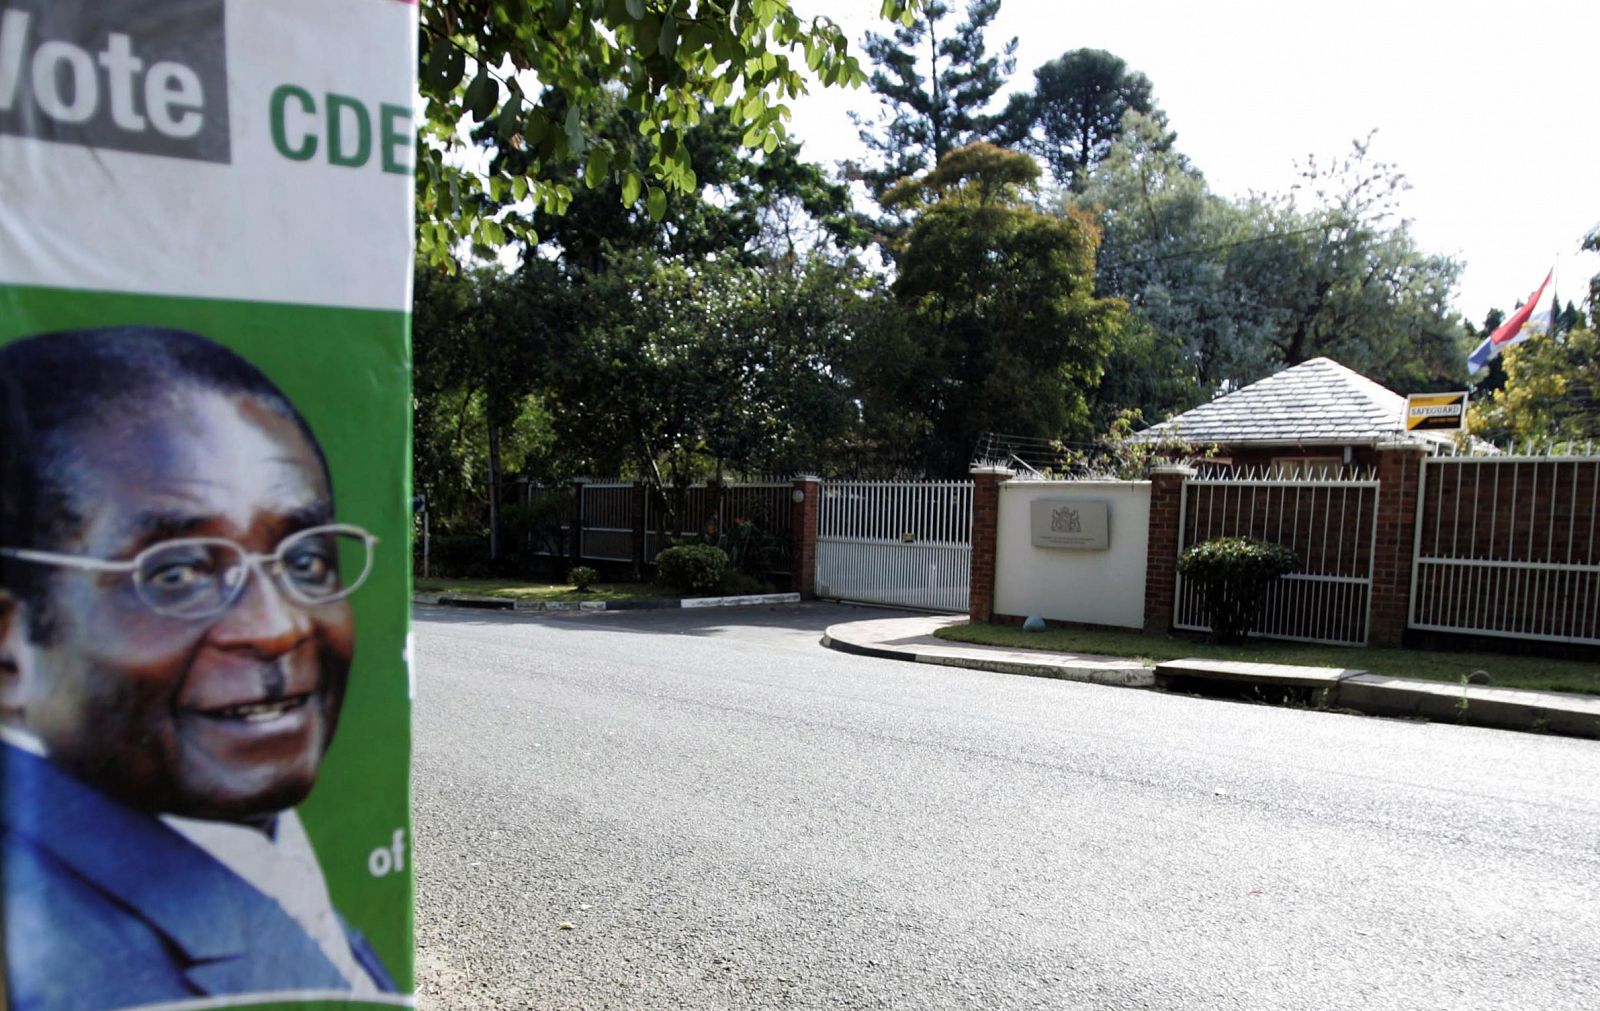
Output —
(348, 371)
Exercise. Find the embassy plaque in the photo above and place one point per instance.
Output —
(1073, 523)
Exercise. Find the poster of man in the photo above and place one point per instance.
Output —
(175, 642)
(205, 675)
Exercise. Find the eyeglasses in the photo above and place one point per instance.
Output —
(201, 577)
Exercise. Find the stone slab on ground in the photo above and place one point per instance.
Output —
(1258, 673)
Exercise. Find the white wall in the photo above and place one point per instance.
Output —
(1094, 587)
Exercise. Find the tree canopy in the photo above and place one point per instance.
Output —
(1075, 112)
(1233, 290)
(1551, 392)
(1343, 277)
(1194, 326)
(935, 82)
(734, 329)
(538, 73)
(1007, 334)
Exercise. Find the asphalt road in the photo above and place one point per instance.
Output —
(707, 810)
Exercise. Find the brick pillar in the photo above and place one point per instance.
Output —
(575, 524)
(986, 482)
(1161, 558)
(1399, 473)
(803, 535)
(636, 509)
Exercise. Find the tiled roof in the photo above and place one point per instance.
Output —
(1318, 400)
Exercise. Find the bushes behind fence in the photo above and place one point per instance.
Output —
(1233, 574)
(692, 568)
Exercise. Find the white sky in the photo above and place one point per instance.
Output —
(1489, 109)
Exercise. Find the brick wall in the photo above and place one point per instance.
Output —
(985, 526)
(1399, 469)
(1241, 457)
(1161, 567)
(1544, 514)
(803, 537)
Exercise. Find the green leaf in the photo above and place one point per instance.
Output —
(519, 187)
(594, 173)
(438, 60)
(510, 118)
(635, 9)
(657, 203)
(558, 14)
(535, 125)
(455, 69)
(648, 34)
(630, 188)
(491, 234)
(668, 43)
(481, 96)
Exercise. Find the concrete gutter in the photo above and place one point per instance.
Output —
(480, 602)
(912, 639)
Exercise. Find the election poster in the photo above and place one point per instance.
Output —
(205, 683)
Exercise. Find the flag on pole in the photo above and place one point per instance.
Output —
(1510, 332)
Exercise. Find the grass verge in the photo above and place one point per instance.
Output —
(553, 593)
(1506, 671)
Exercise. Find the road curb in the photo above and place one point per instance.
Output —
(1413, 698)
(1473, 705)
(1131, 676)
(503, 604)
(1326, 687)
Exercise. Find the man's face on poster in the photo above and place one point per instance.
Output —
(223, 717)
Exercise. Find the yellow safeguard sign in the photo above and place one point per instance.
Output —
(1436, 412)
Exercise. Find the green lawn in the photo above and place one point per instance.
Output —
(1506, 671)
(521, 589)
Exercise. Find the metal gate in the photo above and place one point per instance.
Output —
(1329, 521)
(906, 543)
(1506, 546)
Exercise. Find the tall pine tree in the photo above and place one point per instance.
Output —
(935, 81)
(1075, 113)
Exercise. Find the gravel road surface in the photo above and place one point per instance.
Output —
(707, 810)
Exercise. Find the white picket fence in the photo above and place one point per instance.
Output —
(904, 543)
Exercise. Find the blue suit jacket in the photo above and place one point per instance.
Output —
(106, 907)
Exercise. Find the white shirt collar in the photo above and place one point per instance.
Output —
(284, 867)
(23, 741)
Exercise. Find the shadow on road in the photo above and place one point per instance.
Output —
(707, 621)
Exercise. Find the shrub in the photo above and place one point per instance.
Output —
(1233, 574)
(583, 577)
(692, 568)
